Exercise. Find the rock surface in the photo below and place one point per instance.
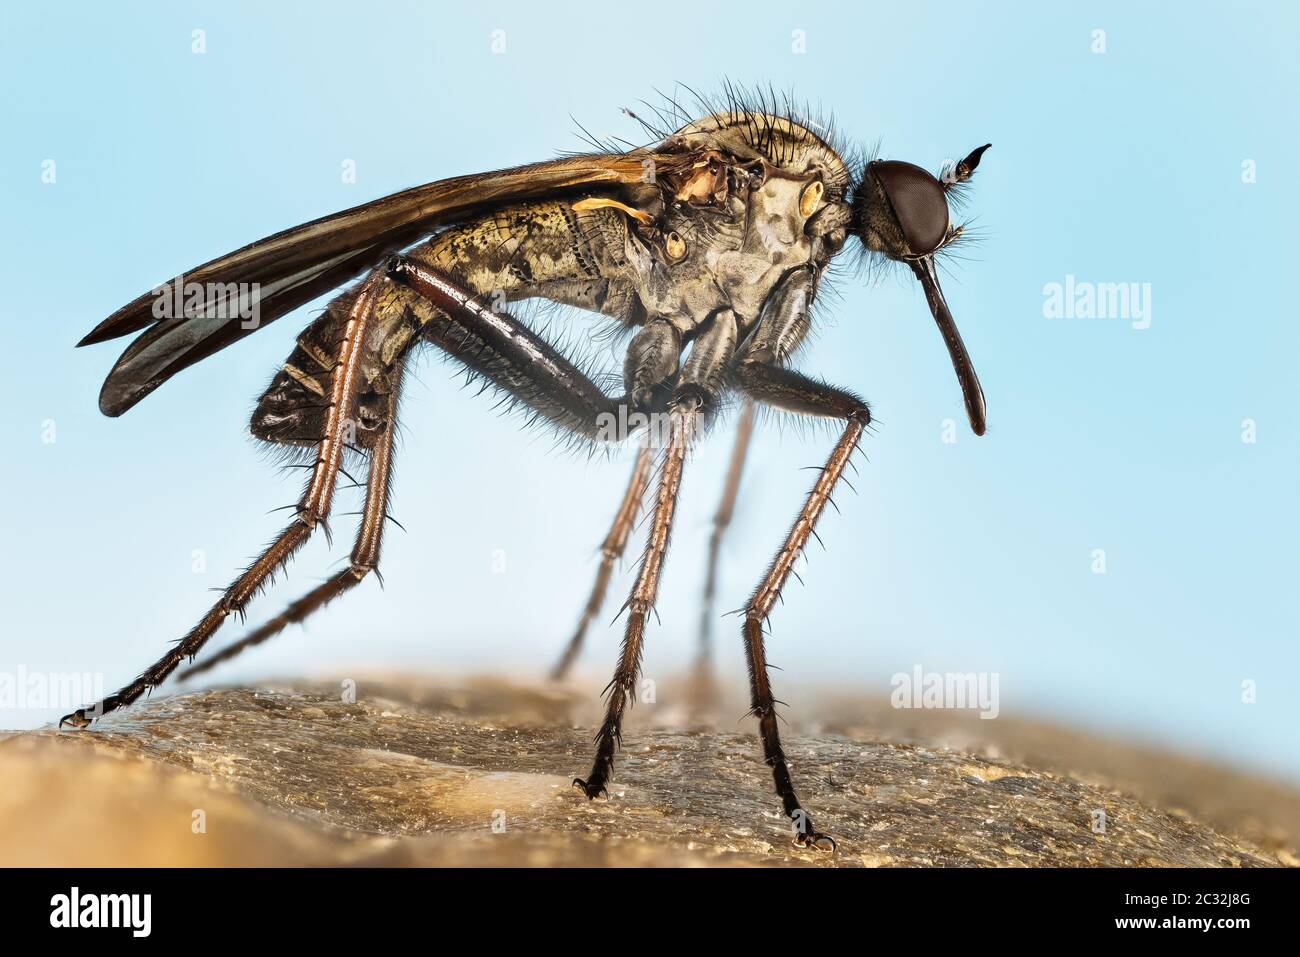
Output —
(478, 773)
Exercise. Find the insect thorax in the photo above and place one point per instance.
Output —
(737, 224)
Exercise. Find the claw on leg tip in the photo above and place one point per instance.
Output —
(582, 786)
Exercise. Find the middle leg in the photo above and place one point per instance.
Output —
(696, 395)
(611, 550)
(622, 686)
(701, 686)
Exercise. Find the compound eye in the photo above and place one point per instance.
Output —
(919, 204)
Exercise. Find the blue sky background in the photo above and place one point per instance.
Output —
(975, 556)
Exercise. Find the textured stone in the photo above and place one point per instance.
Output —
(479, 773)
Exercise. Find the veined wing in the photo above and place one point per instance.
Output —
(277, 274)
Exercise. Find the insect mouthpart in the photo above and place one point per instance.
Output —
(901, 211)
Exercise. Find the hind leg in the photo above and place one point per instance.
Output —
(365, 551)
(492, 344)
(312, 510)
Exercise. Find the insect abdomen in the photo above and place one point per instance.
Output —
(540, 249)
(292, 410)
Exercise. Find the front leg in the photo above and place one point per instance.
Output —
(795, 393)
(761, 376)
